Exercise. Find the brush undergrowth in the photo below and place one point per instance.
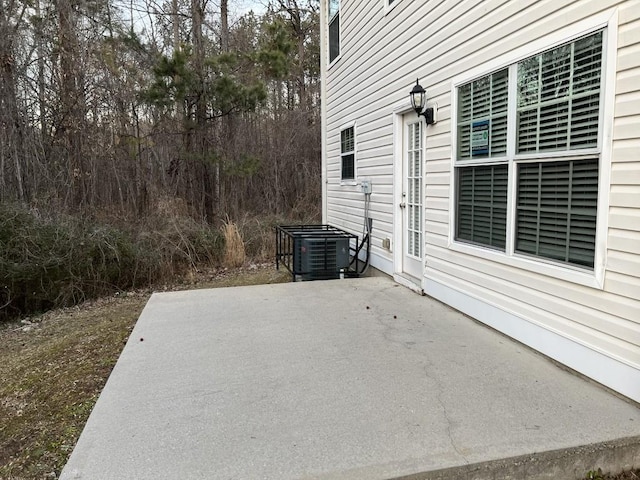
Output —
(52, 260)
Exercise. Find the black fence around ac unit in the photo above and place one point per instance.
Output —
(317, 252)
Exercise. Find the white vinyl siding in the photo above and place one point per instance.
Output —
(445, 40)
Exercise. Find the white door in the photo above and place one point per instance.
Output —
(412, 197)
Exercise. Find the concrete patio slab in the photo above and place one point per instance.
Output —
(358, 379)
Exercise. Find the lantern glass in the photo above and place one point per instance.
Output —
(418, 97)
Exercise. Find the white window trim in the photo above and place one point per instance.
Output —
(353, 181)
(592, 278)
(329, 19)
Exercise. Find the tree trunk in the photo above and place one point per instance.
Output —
(71, 93)
(225, 123)
(224, 26)
(175, 25)
(42, 90)
(11, 122)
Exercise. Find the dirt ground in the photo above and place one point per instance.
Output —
(54, 366)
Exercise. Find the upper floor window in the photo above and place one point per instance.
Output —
(334, 29)
(546, 142)
(347, 154)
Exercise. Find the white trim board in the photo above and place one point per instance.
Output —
(608, 371)
(381, 263)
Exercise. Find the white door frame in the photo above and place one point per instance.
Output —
(398, 237)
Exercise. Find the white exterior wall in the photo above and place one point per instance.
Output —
(589, 322)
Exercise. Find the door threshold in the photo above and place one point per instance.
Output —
(409, 281)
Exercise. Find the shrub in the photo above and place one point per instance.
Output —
(48, 261)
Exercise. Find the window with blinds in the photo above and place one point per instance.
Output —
(556, 113)
(347, 153)
(482, 205)
(556, 210)
(558, 97)
(482, 117)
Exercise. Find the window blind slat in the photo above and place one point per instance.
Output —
(587, 63)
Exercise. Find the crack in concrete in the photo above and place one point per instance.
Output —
(389, 330)
(445, 412)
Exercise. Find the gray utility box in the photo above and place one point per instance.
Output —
(322, 257)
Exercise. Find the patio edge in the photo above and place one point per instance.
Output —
(574, 463)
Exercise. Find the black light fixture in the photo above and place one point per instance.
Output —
(419, 100)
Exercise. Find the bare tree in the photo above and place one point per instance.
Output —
(72, 125)
(12, 128)
(96, 113)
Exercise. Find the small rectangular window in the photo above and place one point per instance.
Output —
(347, 154)
(334, 29)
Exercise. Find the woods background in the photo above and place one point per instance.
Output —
(129, 131)
(119, 106)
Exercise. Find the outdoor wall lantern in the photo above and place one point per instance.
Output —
(419, 100)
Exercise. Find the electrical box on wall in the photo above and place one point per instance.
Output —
(366, 187)
(432, 116)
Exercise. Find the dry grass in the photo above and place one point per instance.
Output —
(234, 253)
(55, 260)
(598, 475)
(53, 371)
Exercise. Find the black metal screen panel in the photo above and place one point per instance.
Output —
(316, 252)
